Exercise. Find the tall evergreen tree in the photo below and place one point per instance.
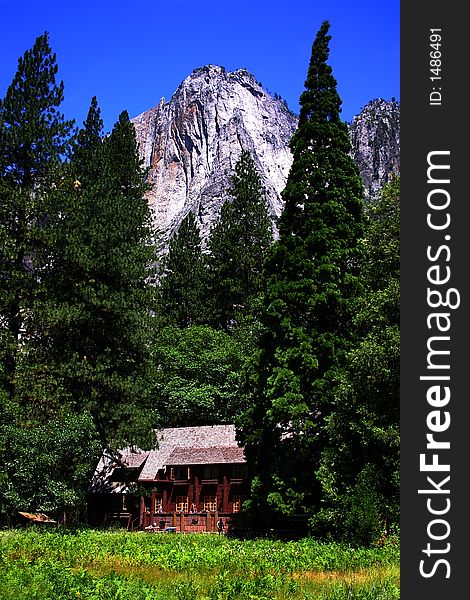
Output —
(237, 245)
(312, 279)
(33, 138)
(98, 325)
(183, 286)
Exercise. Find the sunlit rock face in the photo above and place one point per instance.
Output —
(375, 139)
(192, 143)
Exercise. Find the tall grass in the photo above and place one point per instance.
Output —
(96, 565)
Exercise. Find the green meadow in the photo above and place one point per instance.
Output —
(103, 565)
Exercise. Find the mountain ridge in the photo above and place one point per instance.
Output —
(191, 143)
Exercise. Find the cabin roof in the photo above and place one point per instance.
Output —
(205, 456)
(191, 445)
(211, 444)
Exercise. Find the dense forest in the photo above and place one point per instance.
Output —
(104, 338)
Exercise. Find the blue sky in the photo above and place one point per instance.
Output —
(130, 54)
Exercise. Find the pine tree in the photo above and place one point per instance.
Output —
(312, 279)
(33, 138)
(86, 162)
(237, 246)
(183, 286)
(100, 300)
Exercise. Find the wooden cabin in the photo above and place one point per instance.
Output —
(195, 476)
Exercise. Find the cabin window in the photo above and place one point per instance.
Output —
(211, 472)
(181, 503)
(237, 503)
(210, 503)
(179, 473)
(239, 471)
(157, 504)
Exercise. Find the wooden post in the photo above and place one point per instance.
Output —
(197, 498)
(226, 492)
(142, 524)
(181, 521)
(190, 495)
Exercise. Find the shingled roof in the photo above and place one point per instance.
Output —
(205, 456)
(211, 444)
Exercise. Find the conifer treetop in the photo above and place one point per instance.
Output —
(30, 122)
(320, 103)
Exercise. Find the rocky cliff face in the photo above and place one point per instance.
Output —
(375, 139)
(192, 143)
